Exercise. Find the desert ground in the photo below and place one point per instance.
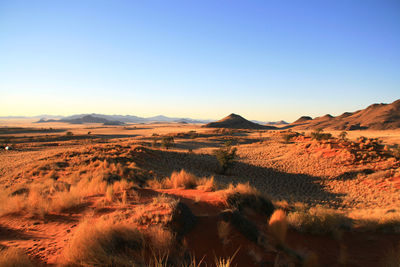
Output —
(157, 195)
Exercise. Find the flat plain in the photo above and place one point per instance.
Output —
(90, 195)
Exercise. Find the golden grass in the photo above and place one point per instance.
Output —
(383, 220)
(63, 201)
(242, 188)
(207, 184)
(277, 226)
(226, 262)
(103, 243)
(244, 196)
(14, 257)
(181, 179)
(109, 196)
(318, 220)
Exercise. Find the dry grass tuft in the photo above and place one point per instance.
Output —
(244, 196)
(206, 184)
(103, 243)
(161, 239)
(14, 257)
(318, 220)
(226, 262)
(277, 226)
(63, 201)
(181, 179)
(382, 220)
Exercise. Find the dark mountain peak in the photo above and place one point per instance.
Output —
(303, 119)
(235, 121)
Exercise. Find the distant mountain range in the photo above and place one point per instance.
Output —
(374, 117)
(119, 119)
(84, 119)
(106, 119)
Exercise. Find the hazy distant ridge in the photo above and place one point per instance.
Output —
(107, 119)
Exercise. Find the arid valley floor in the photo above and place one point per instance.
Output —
(90, 195)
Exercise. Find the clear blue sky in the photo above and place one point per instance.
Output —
(265, 60)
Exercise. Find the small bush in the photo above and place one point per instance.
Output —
(181, 179)
(319, 220)
(343, 135)
(14, 257)
(319, 135)
(63, 201)
(245, 196)
(226, 156)
(206, 184)
(167, 142)
(287, 137)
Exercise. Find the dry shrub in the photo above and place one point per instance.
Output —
(318, 220)
(206, 184)
(277, 226)
(63, 201)
(155, 184)
(161, 239)
(14, 257)
(242, 189)
(181, 179)
(37, 204)
(226, 262)
(90, 186)
(122, 185)
(244, 196)
(103, 243)
(10, 204)
(382, 220)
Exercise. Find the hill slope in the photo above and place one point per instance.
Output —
(234, 121)
(375, 117)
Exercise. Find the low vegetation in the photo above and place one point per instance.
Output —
(14, 257)
(167, 142)
(319, 135)
(184, 180)
(126, 204)
(226, 156)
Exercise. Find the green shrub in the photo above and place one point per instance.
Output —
(343, 135)
(226, 156)
(319, 135)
